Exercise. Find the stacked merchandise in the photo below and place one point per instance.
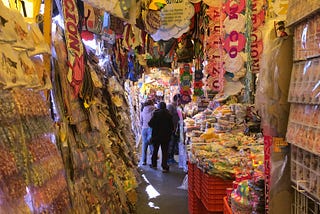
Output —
(225, 118)
(303, 130)
(220, 150)
(32, 176)
(223, 156)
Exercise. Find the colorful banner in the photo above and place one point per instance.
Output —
(213, 50)
(74, 45)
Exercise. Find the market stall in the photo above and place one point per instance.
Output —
(75, 74)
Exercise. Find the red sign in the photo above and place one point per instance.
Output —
(267, 170)
(74, 45)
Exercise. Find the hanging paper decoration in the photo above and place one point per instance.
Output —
(185, 83)
(198, 84)
(74, 45)
(175, 20)
(234, 38)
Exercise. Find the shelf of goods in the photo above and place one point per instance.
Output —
(305, 171)
(303, 130)
(32, 175)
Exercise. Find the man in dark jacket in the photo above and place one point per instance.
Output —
(162, 128)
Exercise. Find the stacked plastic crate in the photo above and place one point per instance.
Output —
(212, 192)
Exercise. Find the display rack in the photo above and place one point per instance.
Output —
(303, 203)
(300, 10)
(303, 129)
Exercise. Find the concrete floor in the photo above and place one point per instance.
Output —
(158, 192)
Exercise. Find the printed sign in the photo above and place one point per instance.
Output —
(175, 19)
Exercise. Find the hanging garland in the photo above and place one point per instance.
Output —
(248, 78)
(255, 16)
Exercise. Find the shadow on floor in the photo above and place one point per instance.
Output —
(158, 192)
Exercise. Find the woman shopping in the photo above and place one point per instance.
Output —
(146, 131)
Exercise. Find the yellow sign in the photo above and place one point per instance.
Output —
(278, 143)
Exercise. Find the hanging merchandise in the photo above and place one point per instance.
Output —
(98, 145)
(184, 50)
(116, 24)
(124, 9)
(92, 20)
(160, 54)
(20, 43)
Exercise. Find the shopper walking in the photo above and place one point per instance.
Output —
(175, 136)
(162, 128)
(146, 131)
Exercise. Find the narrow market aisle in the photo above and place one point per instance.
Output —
(158, 192)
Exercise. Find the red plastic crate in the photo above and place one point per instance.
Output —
(212, 182)
(226, 207)
(213, 191)
(213, 207)
(194, 203)
(190, 176)
(198, 181)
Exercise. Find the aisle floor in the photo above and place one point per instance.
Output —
(162, 193)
